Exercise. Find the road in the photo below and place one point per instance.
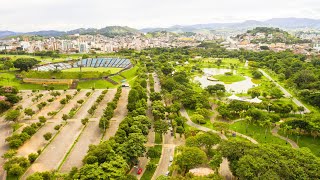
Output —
(285, 92)
(168, 144)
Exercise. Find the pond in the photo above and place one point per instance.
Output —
(237, 87)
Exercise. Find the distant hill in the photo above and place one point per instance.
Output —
(284, 23)
(7, 33)
(109, 31)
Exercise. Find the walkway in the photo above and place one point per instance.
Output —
(275, 133)
(286, 93)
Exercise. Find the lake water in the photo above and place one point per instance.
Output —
(237, 87)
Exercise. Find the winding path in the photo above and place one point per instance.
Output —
(274, 132)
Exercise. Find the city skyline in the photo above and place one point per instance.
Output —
(37, 15)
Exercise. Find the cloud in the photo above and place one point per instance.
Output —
(22, 15)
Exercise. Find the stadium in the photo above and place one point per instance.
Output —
(90, 62)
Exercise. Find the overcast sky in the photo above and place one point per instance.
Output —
(30, 15)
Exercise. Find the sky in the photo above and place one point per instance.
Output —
(34, 15)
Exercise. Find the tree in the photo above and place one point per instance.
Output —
(197, 118)
(65, 117)
(257, 74)
(47, 136)
(29, 112)
(160, 126)
(42, 119)
(189, 158)
(208, 140)
(32, 157)
(301, 109)
(216, 89)
(167, 69)
(24, 64)
(84, 121)
(12, 115)
(7, 65)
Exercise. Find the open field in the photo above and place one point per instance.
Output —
(92, 69)
(9, 79)
(305, 141)
(258, 133)
(229, 79)
(98, 84)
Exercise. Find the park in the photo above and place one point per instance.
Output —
(138, 117)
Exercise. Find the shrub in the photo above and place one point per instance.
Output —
(84, 121)
(42, 119)
(47, 136)
(12, 115)
(32, 157)
(57, 127)
(80, 101)
(65, 117)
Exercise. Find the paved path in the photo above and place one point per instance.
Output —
(5, 131)
(55, 105)
(90, 135)
(285, 92)
(37, 141)
(66, 109)
(53, 155)
(55, 152)
(119, 114)
(103, 104)
(275, 133)
(83, 111)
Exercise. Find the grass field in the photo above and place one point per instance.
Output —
(98, 84)
(257, 132)
(92, 69)
(9, 79)
(306, 141)
(229, 79)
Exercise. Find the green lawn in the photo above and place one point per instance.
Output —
(229, 79)
(98, 84)
(130, 73)
(92, 69)
(158, 138)
(257, 133)
(306, 141)
(9, 79)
